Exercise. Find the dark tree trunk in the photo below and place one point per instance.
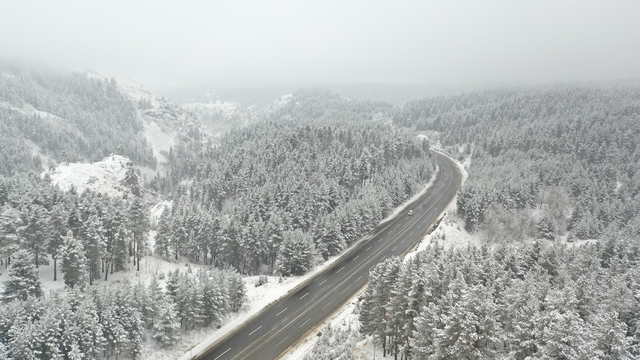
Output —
(55, 269)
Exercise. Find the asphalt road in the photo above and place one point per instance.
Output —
(269, 334)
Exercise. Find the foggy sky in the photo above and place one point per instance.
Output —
(188, 43)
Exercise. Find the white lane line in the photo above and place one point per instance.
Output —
(356, 257)
(304, 323)
(368, 248)
(325, 280)
(281, 341)
(285, 309)
(394, 248)
(219, 356)
(340, 269)
(258, 328)
(329, 303)
(359, 278)
(304, 296)
(411, 233)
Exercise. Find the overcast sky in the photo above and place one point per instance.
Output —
(189, 43)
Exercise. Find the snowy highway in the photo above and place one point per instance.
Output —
(271, 332)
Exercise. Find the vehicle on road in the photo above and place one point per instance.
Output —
(410, 212)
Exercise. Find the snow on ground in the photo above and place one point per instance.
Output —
(103, 176)
(28, 110)
(159, 140)
(157, 210)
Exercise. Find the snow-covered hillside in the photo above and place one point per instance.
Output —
(165, 123)
(219, 116)
(107, 176)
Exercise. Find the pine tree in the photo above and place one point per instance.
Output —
(173, 283)
(166, 329)
(23, 278)
(60, 226)
(87, 330)
(115, 235)
(296, 255)
(236, 290)
(74, 261)
(10, 224)
(139, 225)
(93, 241)
(163, 235)
(36, 231)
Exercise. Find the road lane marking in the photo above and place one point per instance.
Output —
(304, 296)
(411, 233)
(368, 248)
(281, 341)
(340, 270)
(356, 257)
(258, 328)
(309, 319)
(325, 280)
(219, 356)
(359, 278)
(285, 309)
(394, 248)
(329, 303)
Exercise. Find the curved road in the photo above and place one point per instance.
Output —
(272, 331)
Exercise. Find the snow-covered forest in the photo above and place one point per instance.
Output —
(569, 151)
(315, 174)
(553, 194)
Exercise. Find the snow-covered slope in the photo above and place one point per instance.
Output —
(107, 176)
(219, 116)
(165, 123)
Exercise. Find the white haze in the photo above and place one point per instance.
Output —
(231, 43)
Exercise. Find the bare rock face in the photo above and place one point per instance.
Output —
(131, 180)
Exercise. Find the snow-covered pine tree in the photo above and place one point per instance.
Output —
(297, 253)
(236, 290)
(93, 241)
(36, 231)
(60, 226)
(23, 278)
(139, 225)
(10, 222)
(87, 331)
(166, 328)
(163, 234)
(74, 260)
